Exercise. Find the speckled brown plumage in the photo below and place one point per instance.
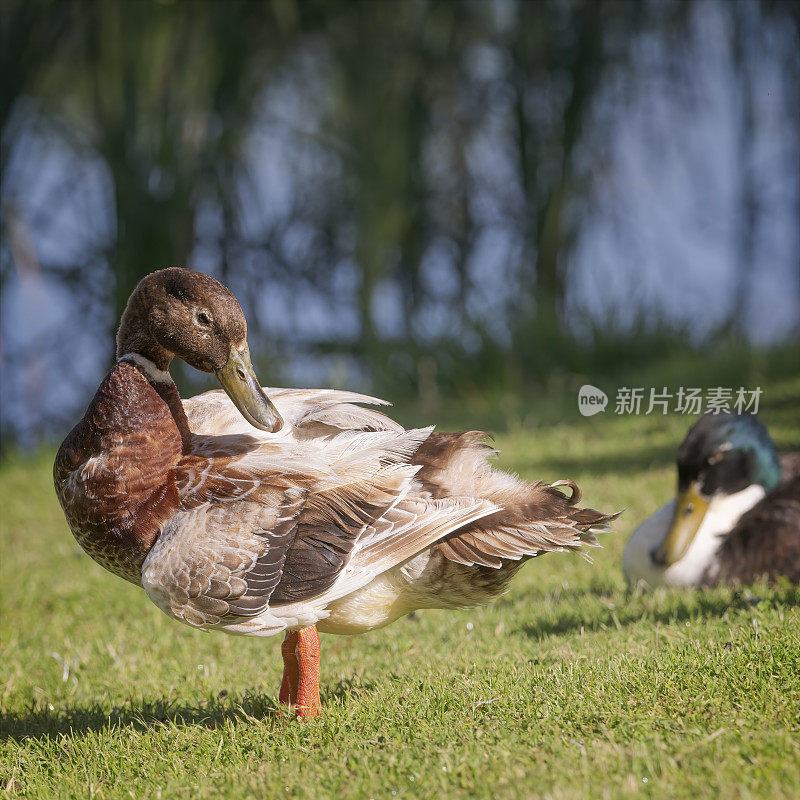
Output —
(114, 473)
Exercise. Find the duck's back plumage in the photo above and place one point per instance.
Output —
(765, 543)
(273, 530)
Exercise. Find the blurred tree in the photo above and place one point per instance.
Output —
(29, 35)
(164, 94)
(558, 61)
(399, 66)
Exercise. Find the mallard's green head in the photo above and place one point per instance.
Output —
(722, 455)
(725, 453)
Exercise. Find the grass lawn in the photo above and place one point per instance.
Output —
(568, 687)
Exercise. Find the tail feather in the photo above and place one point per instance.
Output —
(532, 517)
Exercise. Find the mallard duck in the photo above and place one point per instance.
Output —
(736, 517)
(258, 512)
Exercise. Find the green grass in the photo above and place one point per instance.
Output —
(568, 687)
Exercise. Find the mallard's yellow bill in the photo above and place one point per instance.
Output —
(690, 508)
(241, 385)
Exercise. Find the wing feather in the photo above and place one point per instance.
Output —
(273, 522)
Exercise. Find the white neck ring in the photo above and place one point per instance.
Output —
(153, 373)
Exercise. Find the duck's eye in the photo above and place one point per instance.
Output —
(203, 319)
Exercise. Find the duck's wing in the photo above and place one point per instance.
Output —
(410, 527)
(237, 566)
(217, 564)
(331, 502)
(291, 520)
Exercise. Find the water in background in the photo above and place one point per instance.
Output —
(381, 183)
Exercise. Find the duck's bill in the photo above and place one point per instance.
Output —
(690, 508)
(241, 385)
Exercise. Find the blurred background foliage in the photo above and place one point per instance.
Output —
(421, 198)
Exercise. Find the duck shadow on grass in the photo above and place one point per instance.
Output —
(603, 611)
(141, 715)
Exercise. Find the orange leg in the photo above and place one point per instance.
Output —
(291, 670)
(308, 703)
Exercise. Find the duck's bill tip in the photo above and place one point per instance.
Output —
(239, 381)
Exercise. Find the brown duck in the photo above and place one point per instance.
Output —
(289, 511)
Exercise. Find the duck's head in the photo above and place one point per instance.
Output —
(184, 313)
(726, 463)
